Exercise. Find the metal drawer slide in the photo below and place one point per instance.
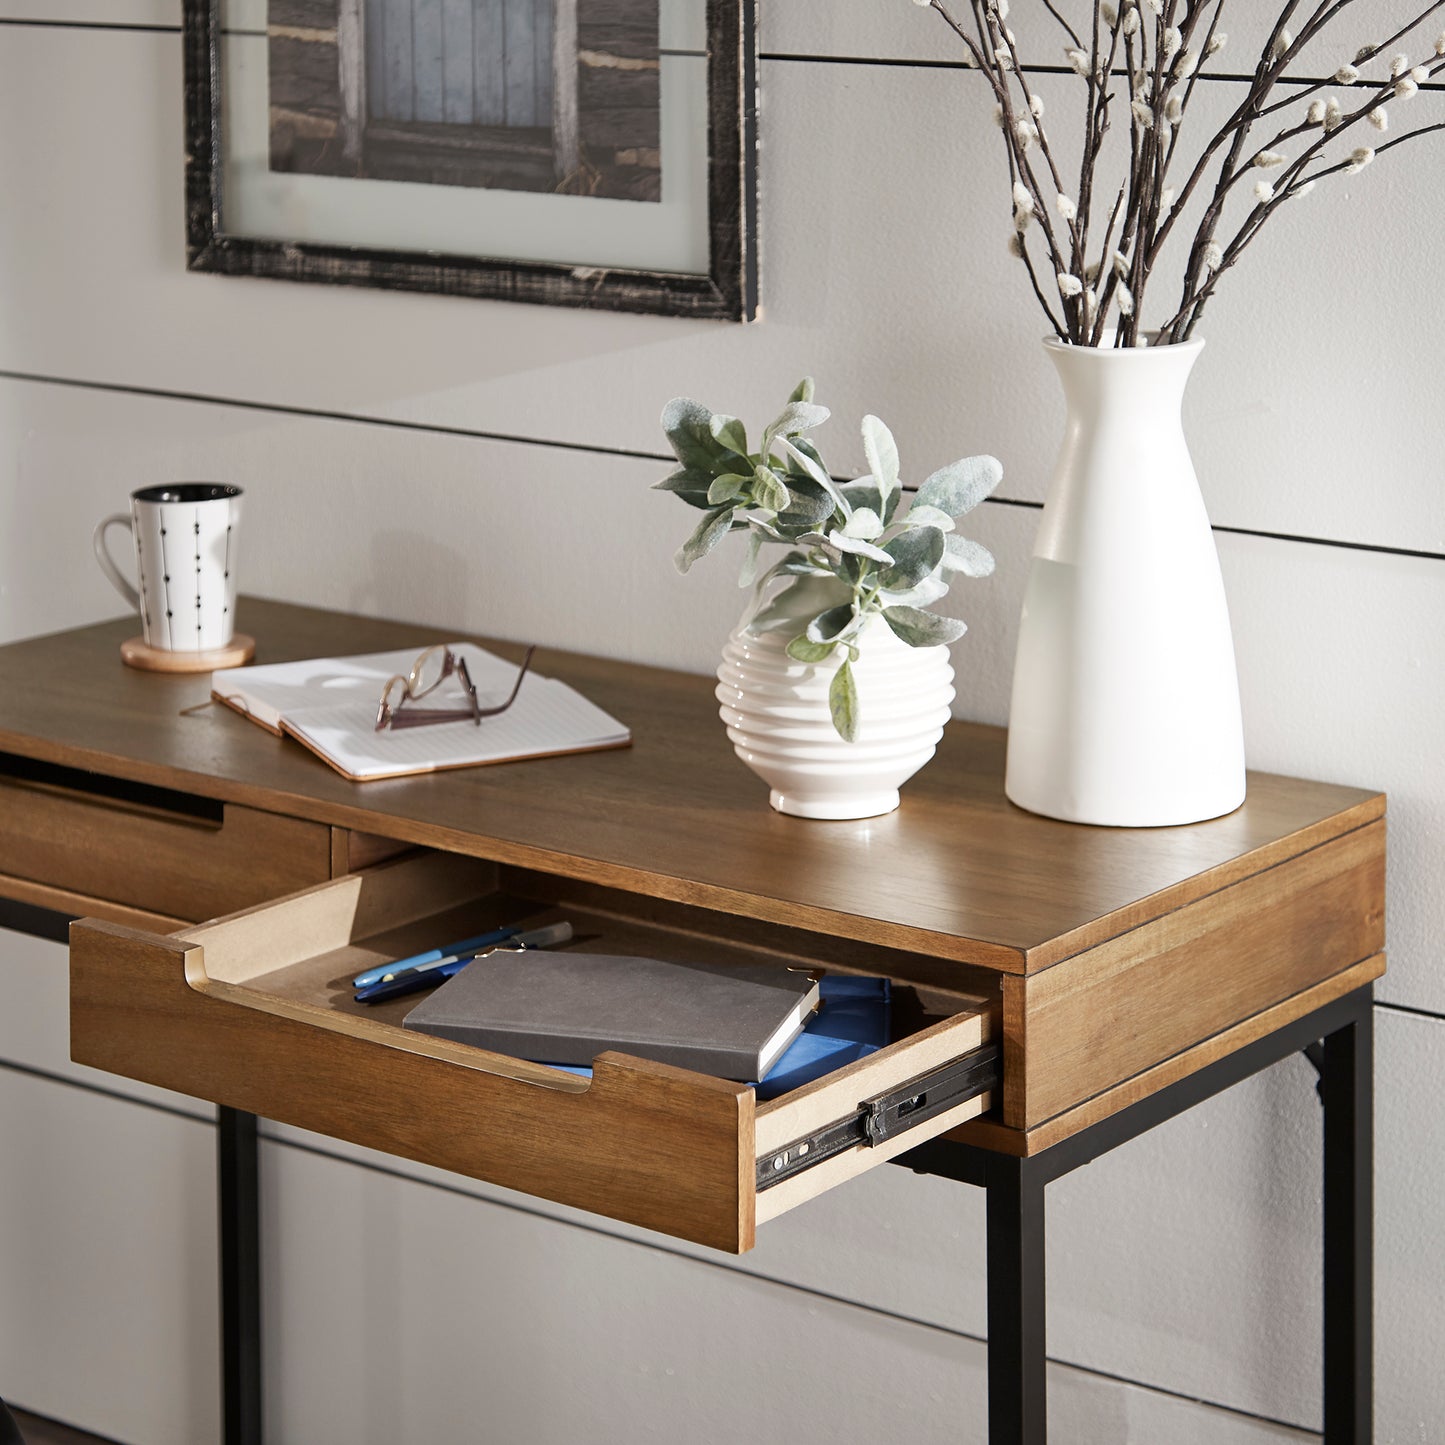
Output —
(885, 1117)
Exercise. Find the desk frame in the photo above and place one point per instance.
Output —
(1338, 1039)
(1228, 945)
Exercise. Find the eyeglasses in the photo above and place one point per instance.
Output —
(428, 672)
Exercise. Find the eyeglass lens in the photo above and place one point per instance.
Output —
(429, 669)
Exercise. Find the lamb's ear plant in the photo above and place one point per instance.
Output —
(854, 550)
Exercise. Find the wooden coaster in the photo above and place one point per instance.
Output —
(136, 653)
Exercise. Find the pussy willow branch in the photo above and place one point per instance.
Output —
(1068, 29)
(1164, 62)
(1268, 69)
(1372, 53)
(986, 63)
(1180, 327)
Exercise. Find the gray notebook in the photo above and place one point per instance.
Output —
(566, 1008)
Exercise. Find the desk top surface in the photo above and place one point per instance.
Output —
(957, 871)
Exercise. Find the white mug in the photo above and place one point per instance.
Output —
(185, 545)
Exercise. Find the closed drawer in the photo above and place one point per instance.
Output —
(149, 848)
(255, 1012)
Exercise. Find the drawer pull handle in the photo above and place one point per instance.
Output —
(100, 787)
(888, 1115)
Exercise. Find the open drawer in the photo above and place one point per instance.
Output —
(254, 1011)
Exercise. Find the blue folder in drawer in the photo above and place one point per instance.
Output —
(851, 1024)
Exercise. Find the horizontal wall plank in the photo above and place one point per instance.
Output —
(916, 313)
(108, 1266)
(35, 1024)
(94, 12)
(653, 1347)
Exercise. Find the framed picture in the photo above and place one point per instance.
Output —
(595, 153)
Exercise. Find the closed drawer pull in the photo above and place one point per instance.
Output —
(885, 1117)
(101, 788)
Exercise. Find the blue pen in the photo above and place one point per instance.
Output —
(432, 955)
(427, 975)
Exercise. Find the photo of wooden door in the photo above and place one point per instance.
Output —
(463, 62)
(422, 65)
(558, 96)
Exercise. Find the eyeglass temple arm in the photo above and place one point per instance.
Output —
(516, 686)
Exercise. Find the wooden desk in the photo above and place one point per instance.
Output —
(1060, 988)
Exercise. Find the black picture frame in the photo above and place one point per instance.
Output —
(729, 290)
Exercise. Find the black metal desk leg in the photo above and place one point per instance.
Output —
(1347, 1090)
(1017, 1395)
(238, 1179)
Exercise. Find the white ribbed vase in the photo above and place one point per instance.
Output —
(777, 716)
(1125, 698)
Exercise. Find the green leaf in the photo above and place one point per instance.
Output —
(812, 465)
(865, 524)
(882, 453)
(796, 564)
(768, 492)
(688, 425)
(727, 488)
(930, 590)
(830, 625)
(801, 650)
(858, 547)
(915, 554)
(748, 572)
(766, 529)
(803, 391)
(808, 503)
(730, 432)
(973, 559)
(960, 486)
(794, 419)
(843, 703)
(923, 629)
(809, 450)
(863, 492)
(926, 516)
(690, 486)
(709, 532)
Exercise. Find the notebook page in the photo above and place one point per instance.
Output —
(278, 691)
(547, 717)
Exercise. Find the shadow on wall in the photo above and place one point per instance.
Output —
(416, 577)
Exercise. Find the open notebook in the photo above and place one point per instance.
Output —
(329, 704)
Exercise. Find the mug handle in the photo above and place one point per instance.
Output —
(107, 562)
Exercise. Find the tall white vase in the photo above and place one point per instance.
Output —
(1125, 698)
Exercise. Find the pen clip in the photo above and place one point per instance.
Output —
(532, 939)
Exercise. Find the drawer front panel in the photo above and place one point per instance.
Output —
(188, 864)
(646, 1143)
(1109, 1014)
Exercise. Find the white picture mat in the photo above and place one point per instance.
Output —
(668, 235)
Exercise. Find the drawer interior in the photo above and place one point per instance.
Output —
(312, 946)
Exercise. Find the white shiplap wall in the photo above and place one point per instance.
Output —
(1184, 1275)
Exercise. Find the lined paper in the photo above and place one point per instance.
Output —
(330, 705)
